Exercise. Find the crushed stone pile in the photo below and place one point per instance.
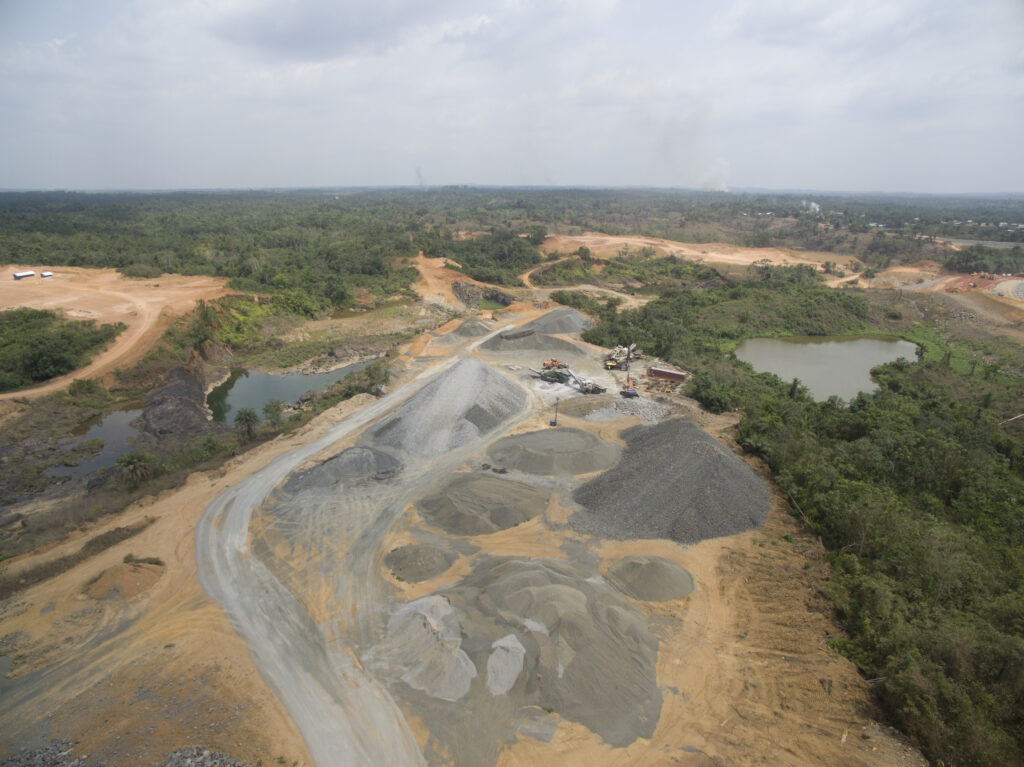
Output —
(564, 319)
(553, 452)
(351, 465)
(419, 561)
(674, 481)
(530, 341)
(59, 754)
(643, 408)
(455, 409)
(650, 579)
(479, 504)
(518, 633)
(472, 328)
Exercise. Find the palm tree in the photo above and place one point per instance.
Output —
(247, 420)
(136, 466)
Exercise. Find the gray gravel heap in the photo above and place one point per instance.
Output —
(674, 481)
(457, 408)
(564, 319)
(419, 561)
(643, 408)
(554, 452)
(56, 754)
(650, 579)
(530, 341)
(59, 754)
(475, 504)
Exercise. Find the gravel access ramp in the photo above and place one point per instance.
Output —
(674, 481)
(455, 409)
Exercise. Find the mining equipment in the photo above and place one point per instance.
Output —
(553, 364)
(585, 385)
(554, 375)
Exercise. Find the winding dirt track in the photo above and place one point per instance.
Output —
(145, 306)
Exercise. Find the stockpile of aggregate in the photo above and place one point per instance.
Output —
(351, 465)
(674, 481)
(553, 452)
(59, 753)
(479, 504)
(650, 579)
(564, 319)
(457, 408)
(471, 328)
(419, 561)
(529, 341)
(516, 633)
(641, 407)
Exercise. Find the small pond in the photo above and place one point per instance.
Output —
(254, 389)
(827, 366)
(116, 432)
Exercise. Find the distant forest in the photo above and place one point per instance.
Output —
(320, 249)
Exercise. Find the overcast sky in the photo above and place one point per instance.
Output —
(850, 95)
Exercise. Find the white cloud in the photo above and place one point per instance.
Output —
(900, 95)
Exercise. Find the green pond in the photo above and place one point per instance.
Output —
(254, 389)
(827, 366)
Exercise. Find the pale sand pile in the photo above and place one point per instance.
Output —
(650, 579)
(478, 504)
(553, 452)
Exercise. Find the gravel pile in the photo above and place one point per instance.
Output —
(199, 757)
(676, 482)
(59, 754)
(650, 579)
(529, 341)
(562, 320)
(553, 452)
(455, 409)
(516, 634)
(419, 561)
(645, 409)
(585, 404)
(353, 464)
(473, 504)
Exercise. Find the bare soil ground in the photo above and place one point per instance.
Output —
(135, 666)
(145, 306)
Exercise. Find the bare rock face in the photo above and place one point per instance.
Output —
(177, 408)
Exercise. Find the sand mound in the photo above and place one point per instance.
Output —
(419, 561)
(674, 481)
(650, 579)
(474, 504)
(564, 319)
(353, 464)
(124, 580)
(518, 633)
(529, 341)
(553, 452)
(455, 409)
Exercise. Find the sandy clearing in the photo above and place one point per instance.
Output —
(435, 282)
(145, 306)
(608, 246)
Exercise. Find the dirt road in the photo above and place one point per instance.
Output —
(145, 306)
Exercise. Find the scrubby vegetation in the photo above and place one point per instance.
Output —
(37, 344)
(917, 490)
